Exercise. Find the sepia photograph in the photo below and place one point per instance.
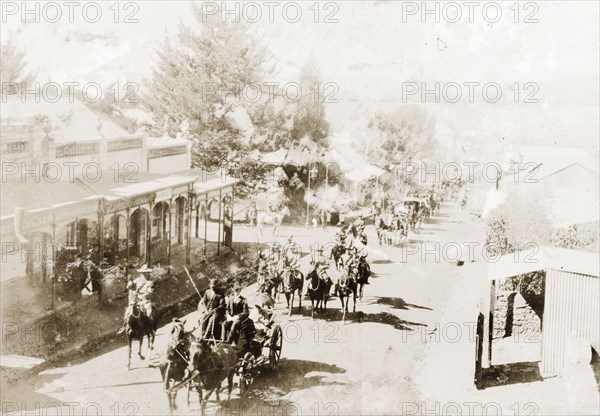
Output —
(300, 208)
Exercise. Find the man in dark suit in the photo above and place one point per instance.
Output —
(212, 308)
(237, 312)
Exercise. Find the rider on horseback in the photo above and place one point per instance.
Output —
(359, 224)
(361, 258)
(291, 258)
(341, 235)
(353, 258)
(274, 261)
(140, 292)
(321, 268)
(262, 263)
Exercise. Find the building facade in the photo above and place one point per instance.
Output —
(74, 180)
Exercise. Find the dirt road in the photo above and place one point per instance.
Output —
(366, 366)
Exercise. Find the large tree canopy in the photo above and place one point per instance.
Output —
(309, 119)
(402, 135)
(13, 66)
(201, 79)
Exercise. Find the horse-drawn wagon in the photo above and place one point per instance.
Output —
(203, 364)
(264, 351)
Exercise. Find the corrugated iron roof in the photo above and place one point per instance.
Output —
(542, 258)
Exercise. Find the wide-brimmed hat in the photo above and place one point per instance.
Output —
(144, 269)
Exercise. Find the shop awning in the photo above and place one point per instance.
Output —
(205, 187)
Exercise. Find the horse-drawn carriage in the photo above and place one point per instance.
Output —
(265, 350)
(196, 363)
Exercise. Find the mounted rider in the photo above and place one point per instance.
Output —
(140, 293)
(341, 235)
(291, 258)
(321, 268)
(359, 224)
(262, 264)
(353, 258)
(274, 262)
(361, 258)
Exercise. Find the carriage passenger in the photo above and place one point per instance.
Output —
(262, 317)
(212, 305)
(236, 312)
(251, 330)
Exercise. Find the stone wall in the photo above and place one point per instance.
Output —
(525, 322)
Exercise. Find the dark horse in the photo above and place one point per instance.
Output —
(269, 283)
(174, 368)
(293, 281)
(318, 291)
(363, 273)
(212, 365)
(346, 286)
(336, 254)
(139, 326)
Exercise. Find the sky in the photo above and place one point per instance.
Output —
(368, 49)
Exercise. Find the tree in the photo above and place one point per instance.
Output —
(13, 65)
(401, 136)
(577, 237)
(309, 119)
(201, 80)
(273, 123)
(519, 223)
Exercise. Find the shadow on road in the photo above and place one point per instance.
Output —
(272, 390)
(399, 303)
(388, 319)
(333, 312)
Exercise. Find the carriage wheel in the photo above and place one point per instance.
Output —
(243, 385)
(245, 371)
(275, 347)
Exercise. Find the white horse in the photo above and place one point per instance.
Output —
(275, 219)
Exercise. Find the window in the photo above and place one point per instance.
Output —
(76, 149)
(16, 147)
(124, 144)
